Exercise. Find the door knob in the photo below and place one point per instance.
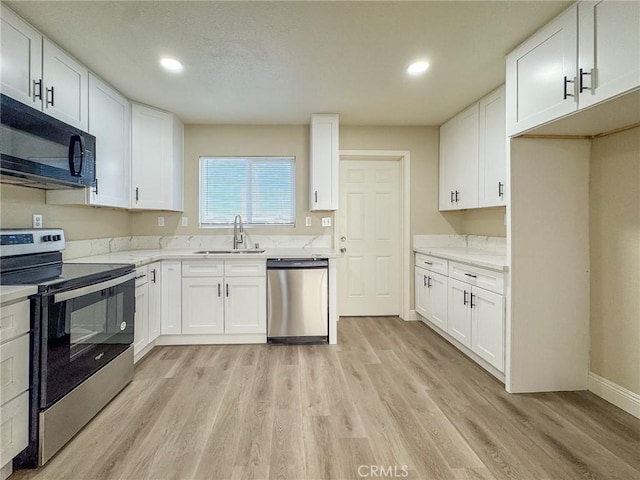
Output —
(343, 249)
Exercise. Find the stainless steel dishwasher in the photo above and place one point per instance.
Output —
(297, 300)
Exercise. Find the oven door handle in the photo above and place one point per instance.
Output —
(79, 292)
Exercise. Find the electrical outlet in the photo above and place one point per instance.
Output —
(307, 221)
(326, 221)
(37, 220)
(161, 221)
(185, 221)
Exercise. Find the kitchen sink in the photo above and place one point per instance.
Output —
(225, 252)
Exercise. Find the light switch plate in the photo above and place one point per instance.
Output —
(161, 221)
(307, 221)
(326, 221)
(185, 221)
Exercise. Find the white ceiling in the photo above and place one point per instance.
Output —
(277, 62)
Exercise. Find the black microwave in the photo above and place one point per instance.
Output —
(37, 150)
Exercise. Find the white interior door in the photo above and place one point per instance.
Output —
(370, 230)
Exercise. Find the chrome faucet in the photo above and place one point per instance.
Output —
(238, 232)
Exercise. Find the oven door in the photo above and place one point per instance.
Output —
(83, 330)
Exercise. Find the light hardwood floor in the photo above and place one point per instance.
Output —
(392, 394)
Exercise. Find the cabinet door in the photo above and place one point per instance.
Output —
(155, 300)
(420, 291)
(438, 300)
(65, 86)
(151, 166)
(171, 311)
(608, 46)
(487, 326)
(323, 167)
(110, 122)
(541, 75)
(492, 160)
(141, 325)
(15, 427)
(466, 158)
(245, 305)
(447, 164)
(459, 313)
(21, 48)
(202, 305)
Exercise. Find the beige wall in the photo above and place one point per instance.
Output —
(18, 204)
(615, 258)
(237, 140)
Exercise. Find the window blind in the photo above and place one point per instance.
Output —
(261, 189)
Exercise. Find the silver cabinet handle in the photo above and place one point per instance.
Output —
(464, 300)
(218, 289)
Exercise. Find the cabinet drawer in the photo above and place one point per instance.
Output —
(142, 275)
(14, 368)
(245, 268)
(14, 427)
(14, 320)
(487, 279)
(203, 268)
(432, 264)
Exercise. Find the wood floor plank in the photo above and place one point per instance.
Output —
(392, 394)
(287, 456)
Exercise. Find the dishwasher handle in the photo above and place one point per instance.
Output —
(289, 264)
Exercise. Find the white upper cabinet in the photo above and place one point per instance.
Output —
(323, 162)
(492, 162)
(459, 161)
(608, 49)
(21, 48)
(473, 155)
(37, 72)
(156, 159)
(110, 123)
(585, 56)
(541, 75)
(65, 86)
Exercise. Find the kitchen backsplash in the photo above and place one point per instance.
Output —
(99, 246)
(493, 245)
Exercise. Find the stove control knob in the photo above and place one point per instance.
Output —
(57, 238)
(46, 238)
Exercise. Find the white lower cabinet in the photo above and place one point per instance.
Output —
(202, 305)
(148, 307)
(431, 297)
(141, 319)
(233, 303)
(473, 316)
(245, 305)
(459, 324)
(155, 300)
(487, 326)
(171, 286)
(14, 379)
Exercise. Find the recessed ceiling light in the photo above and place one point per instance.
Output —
(171, 64)
(417, 68)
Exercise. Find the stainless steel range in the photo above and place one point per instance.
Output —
(82, 331)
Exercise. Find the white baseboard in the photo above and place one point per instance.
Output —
(412, 315)
(613, 393)
(6, 470)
